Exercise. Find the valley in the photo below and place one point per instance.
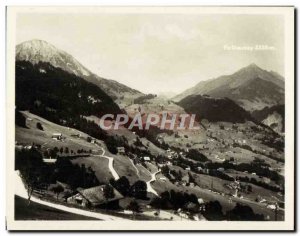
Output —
(232, 164)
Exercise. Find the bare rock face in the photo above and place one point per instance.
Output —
(36, 51)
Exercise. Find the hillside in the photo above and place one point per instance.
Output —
(42, 87)
(214, 109)
(251, 87)
(61, 97)
(36, 51)
(272, 116)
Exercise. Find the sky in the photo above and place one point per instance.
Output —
(160, 53)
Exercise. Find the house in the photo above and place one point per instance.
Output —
(188, 168)
(146, 159)
(57, 136)
(168, 163)
(200, 201)
(93, 197)
(199, 168)
(49, 160)
(121, 150)
(160, 165)
(221, 169)
(76, 135)
(93, 141)
(28, 147)
(185, 179)
(192, 207)
(164, 179)
(271, 206)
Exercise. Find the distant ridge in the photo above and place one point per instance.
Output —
(251, 87)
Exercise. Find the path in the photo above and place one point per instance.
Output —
(149, 187)
(110, 164)
(137, 171)
(21, 191)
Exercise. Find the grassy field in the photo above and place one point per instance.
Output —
(37, 211)
(98, 164)
(44, 138)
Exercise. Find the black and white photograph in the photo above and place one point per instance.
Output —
(150, 118)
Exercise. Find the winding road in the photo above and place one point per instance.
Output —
(110, 164)
(137, 171)
(153, 178)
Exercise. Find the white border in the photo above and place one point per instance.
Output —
(288, 224)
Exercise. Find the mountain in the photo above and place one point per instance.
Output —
(61, 97)
(251, 87)
(36, 51)
(214, 109)
(271, 116)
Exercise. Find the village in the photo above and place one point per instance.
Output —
(221, 179)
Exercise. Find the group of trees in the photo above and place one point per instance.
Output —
(138, 190)
(257, 166)
(174, 200)
(210, 210)
(59, 152)
(196, 155)
(144, 98)
(36, 174)
(33, 170)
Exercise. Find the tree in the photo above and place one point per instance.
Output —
(66, 150)
(243, 213)
(32, 169)
(249, 188)
(89, 139)
(139, 190)
(108, 192)
(39, 126)
(20, 120)
(57, 189)
(61, 150)
(46, 154)
(122, 185)
(134, 207)
(111, 144)
(213, 211)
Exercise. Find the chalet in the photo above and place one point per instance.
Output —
(160, 165)
(93, 197)
(185, 180)
(57, 136)
(200, 201)
(168, 163)
(28, 147)
(75, 135)
(164, 179)
(49, 160)
(93, 140)
(121, 150)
